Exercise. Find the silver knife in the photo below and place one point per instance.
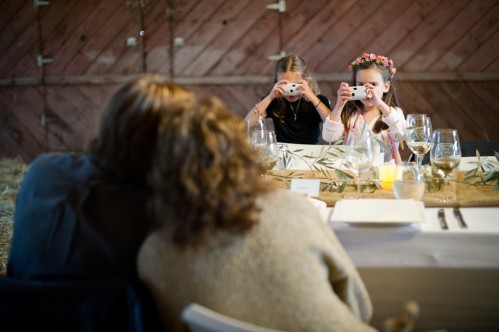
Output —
(441, 218)
(459, 217)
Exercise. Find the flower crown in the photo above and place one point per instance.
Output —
(378, 59)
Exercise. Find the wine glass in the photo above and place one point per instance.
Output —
(445, 153)
(272, 149)
(418, 136)
(259, 135)
(359, 154)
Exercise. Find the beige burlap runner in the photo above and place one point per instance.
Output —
(460, 193)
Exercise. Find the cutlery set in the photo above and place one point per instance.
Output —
(457, 215)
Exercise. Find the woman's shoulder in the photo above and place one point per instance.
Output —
(62, 159)
(286, 197)
(289, 209)
(78, 167)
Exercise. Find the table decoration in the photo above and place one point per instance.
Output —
(333, 190)
(485, 172)
(386, 175)
(477, 186)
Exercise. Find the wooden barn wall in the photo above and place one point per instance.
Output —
(61, 59)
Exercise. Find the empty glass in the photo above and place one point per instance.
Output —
(360, 151)
(272, 150)
(258, 135)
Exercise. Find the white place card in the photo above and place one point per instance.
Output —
(310, 187)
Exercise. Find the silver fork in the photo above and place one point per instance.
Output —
(459, 217)
(441, 219)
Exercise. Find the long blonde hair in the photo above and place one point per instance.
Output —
(294, 64)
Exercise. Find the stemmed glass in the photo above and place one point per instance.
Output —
(359, 154)
(418, 136)
(445, 153)
(272, 149)
(258, 135)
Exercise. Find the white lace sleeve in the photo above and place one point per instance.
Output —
(332, 130)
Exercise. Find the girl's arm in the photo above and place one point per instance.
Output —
(260, 108)
(309, 95)
(332, 130)
(395, 120)
(344, 95)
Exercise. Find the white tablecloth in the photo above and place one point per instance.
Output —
(426, 245)
(452, 274)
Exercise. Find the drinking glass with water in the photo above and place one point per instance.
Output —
(408, 182)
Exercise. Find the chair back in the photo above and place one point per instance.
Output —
(202, 319)
(486, 148)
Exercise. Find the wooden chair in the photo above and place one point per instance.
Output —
(202, 319)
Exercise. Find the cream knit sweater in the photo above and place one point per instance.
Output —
(288, 273)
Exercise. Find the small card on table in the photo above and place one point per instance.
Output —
(310, 187)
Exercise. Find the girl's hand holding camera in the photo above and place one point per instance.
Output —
(344, 95)
(286, 88)
(373, 98)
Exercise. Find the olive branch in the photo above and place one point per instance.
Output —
(486, 171)
(333, 178)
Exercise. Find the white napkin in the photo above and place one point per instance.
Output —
(321, 206)
(383, 211)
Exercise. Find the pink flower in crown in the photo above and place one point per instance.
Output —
(385, 61)
(360, 60)
(373, 56)
(365, 56)
(379, 59)
(390, 63)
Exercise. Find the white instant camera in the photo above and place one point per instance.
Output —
(358, 92)
(290, 89)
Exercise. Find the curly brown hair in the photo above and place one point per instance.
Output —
(206, 177)
(128, 126)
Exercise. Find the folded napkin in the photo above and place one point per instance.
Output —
(321, 207)
(381, 211)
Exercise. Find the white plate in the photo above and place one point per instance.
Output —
(378, 212)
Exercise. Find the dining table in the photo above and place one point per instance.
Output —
(452, 273)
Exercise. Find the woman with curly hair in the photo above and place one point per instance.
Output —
(83, 216)
(232, 242)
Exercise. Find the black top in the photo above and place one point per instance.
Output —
(75, 219)
(306, 128)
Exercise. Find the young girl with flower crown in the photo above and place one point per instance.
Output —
(380, 111)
